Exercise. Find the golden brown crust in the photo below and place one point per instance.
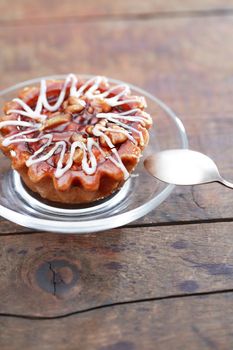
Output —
(100, 186)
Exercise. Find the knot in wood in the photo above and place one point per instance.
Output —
(57, 276)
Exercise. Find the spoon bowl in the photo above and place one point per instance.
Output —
(183, 167)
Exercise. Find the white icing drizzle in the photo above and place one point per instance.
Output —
(16, 123)
(125, 90)
(61, 170)
(33, 159)
(114, 118)
(11, 139)
(113, 102)
(89, 168)
(90, 90)
(25, 114)
(118, 162)
(13, 153)
(43, 98)
(27, 111)
(122, 131)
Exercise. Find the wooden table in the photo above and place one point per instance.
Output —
(165, 281)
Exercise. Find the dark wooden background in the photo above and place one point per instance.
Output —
(165, 281)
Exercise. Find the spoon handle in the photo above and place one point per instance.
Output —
(225, 183)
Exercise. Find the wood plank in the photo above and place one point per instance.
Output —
(188, 323)
(185, 62)
(68, 273)
(8, 227)
(174, 59)
(26, 9)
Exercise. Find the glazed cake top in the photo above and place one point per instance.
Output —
(74, 124)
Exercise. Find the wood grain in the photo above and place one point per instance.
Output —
(26, 9)
(183, 61)
(192, 323)
(52, 275)
(175, 59)
(144, 287)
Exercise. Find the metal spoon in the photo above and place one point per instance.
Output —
(184, 167)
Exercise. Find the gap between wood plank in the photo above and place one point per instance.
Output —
(159, 224)
(106, 306)
(117, 17)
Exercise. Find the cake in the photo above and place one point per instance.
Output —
(74, 140)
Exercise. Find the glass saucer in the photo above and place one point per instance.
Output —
(140, 194)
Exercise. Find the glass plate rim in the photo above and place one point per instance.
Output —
(106, 223)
